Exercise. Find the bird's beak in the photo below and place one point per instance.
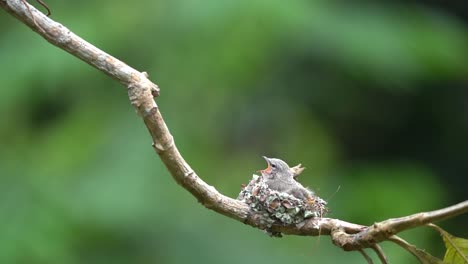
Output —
(268, 169)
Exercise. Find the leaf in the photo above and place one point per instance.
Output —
(457, 248)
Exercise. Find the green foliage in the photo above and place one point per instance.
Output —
(456, 253)
(457, 248)
(364, 96)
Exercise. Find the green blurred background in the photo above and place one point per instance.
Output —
(371, 97)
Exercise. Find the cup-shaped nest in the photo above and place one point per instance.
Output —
(280, 207)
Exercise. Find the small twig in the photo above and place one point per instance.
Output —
(364, 254)
(41, 3)
(32, 16)
(45, 6)
(379, 252)
(418, 253)
(402, 243)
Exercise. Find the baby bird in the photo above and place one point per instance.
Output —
(279, 177)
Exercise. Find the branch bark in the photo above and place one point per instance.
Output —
(141, 92)
(381, 231)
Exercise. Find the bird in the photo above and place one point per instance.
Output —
(280, 177)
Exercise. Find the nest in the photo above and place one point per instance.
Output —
(279, 207)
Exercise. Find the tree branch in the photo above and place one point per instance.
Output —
(366, 257)
(378, 250)
(141, 92)
(381, 231)
(421, 255)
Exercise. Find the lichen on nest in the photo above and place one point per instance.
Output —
(280, 207)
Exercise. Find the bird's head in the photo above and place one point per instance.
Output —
(276, 169)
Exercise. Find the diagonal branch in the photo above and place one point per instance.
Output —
(60, 36)
(420, 254)
(366, 257)
(141, 92)
(381, 231)
(378, 250)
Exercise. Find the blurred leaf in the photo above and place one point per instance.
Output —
(457, 248)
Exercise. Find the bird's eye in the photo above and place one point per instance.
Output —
(273, 165)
